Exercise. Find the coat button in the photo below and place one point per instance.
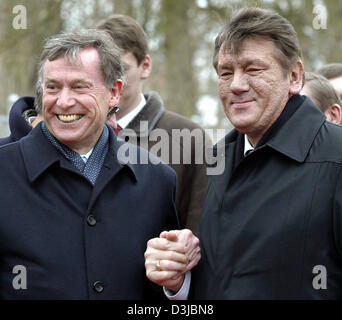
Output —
(98, 286)
(91, 220)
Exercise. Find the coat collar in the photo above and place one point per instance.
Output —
(39, 155)
(294, 131)
(151, 113)
(292, 136)
(295, 137)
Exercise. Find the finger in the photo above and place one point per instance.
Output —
(163, 234)
(172, 235)
(161, 276)
(170, 265)
(164, 244)
(193, 263)
(173, 256)
(194, 253)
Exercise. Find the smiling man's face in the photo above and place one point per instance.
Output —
(252, 86)
(76, 100)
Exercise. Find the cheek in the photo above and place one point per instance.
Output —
(263, 87)
(48, 103)
(223, 90)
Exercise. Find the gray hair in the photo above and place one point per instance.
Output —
(70, 44)
(38, 101)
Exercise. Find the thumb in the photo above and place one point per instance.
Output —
(171, 235)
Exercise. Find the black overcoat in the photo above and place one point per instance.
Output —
(272, 222)
(77, 241)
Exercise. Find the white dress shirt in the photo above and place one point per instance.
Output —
(248, 146)
(86, 156)
(125, 120)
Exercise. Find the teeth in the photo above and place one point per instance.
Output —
(69, 117)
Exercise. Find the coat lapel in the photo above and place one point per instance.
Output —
(231, 157)
(111, 167)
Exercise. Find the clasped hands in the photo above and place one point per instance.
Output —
(170, 256)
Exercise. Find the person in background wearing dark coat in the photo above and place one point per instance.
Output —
(137, 108)
(22, 118)
(271, 223)
(323, 94)
(75, 215)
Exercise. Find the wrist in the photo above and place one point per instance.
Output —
(175, 288)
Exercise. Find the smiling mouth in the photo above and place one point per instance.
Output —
(69, 117)
(241, 104)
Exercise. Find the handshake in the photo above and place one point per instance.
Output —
(169, 257)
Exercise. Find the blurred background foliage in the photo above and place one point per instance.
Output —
(181, 35)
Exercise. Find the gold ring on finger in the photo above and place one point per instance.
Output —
(158, 265)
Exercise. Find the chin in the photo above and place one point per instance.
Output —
(242, 126)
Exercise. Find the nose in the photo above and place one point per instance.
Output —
(65, 98)
(239, 83)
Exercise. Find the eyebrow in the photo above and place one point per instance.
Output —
(77, 80)
(243, 63)
(254, 61)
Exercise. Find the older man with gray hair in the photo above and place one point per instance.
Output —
(75, 218)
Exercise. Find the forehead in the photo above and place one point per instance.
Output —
(250, 49)
(87, 63)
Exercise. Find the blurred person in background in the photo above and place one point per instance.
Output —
(25, 114)
(333, 72)
(135, 107)
(322, 93)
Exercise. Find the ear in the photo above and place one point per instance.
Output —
(296, 78)
(146, 67)
(334, 114)
(115, 94)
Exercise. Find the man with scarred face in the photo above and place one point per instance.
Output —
(271, 223)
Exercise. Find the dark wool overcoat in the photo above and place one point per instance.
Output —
(76, 240)
(272, 223)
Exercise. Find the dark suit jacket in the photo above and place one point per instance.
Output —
(70, 235)
(275, 215)
(191, 174)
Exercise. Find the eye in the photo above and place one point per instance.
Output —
(226, 74)
(51, 87)
(80, 87)
(253, 70)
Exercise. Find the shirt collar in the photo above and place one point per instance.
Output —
(248, 146)
(87, 155)
(125, 120)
